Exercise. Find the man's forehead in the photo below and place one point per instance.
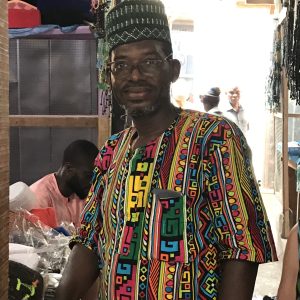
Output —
(234, 91)
(142, 47)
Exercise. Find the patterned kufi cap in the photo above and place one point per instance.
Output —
(137, 20)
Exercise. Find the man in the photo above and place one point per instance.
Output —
(211, 101)
(66, 189)
(235, 111)
(289, 287)
(174, 211)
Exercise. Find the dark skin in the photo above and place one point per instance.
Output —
(74, 180)
(79, 274)
(147, 100)
(62, 183)
(234, 98)
(208, 102)
(207, 106)
(237, 280)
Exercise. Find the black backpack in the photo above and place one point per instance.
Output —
(24, 283)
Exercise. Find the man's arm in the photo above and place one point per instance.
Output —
(288, 282)
(237, 280)
(80, 273)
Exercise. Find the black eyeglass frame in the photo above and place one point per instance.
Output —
(127, 69)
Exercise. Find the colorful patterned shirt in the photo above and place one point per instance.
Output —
(162, 218)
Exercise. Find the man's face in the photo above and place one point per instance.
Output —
(144, 87)
(81, 180)
(234, 96)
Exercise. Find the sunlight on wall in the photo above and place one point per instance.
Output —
(229, 46)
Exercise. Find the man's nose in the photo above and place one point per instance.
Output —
(135, 73)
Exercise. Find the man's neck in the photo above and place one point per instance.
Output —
(62, 185)
(151, 126)
(236, 107)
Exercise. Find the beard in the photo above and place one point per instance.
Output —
(137, 113)
(81, 193)
(78, 189)
(150, 107)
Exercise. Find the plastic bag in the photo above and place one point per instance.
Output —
(50, 246)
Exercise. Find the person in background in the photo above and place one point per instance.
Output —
(66, 189)
(174, 211)
(190, 98)
(211, 101)
(289, 287)
(235, 111)
(182, 102)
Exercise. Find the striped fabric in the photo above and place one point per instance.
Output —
(162, 217)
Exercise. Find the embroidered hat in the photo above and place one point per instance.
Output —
(137, 20)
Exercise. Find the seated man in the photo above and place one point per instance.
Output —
(289, 287)
(66, 189)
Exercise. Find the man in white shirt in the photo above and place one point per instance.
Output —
(235, 111)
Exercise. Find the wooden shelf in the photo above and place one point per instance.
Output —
(102, 123)
(292, 164)
(53, 121)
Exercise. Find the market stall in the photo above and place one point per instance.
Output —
(54, 98)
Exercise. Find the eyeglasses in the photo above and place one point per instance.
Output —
(146, 67)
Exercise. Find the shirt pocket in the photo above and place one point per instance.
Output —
(169, 239)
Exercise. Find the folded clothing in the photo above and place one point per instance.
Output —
(23, 254)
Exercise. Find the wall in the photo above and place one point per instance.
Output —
(230, 46)
(63, 83)
(3, 151)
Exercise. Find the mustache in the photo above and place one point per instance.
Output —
(139, 84)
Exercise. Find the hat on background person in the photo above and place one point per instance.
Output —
(212, 92)
(137, 20)
(211, 100)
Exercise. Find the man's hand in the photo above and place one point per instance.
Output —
(80, 273)
(237, 280)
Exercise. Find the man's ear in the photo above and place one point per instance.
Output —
(68, 170)
(175, 71)
(106, 77)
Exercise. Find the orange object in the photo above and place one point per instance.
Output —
(46, 216)
(22, 15)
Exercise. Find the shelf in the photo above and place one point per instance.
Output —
(292, 164)
(53, 32)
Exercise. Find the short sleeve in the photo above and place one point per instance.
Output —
(91, 227)
(91, 217)
(45, 189)
(240, 225)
